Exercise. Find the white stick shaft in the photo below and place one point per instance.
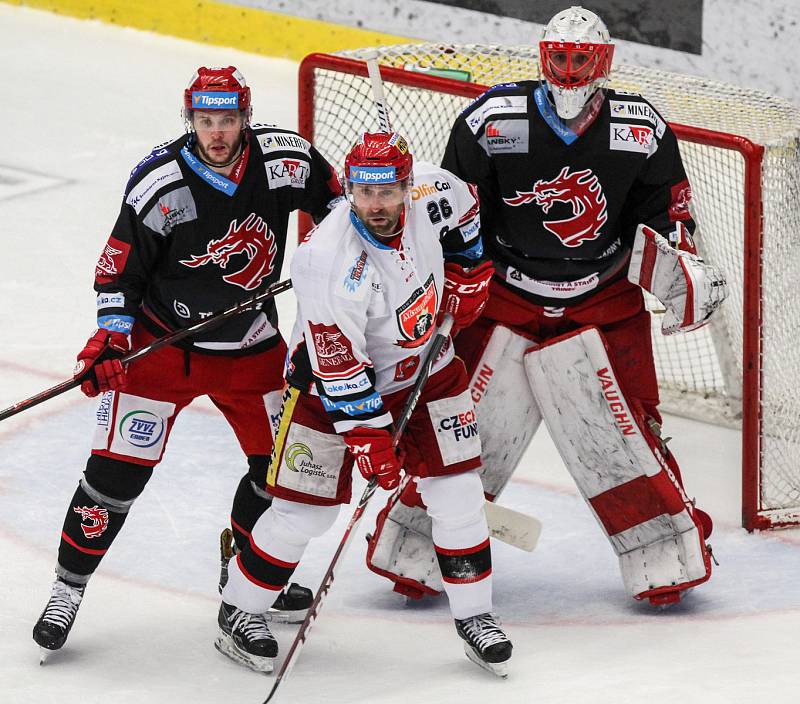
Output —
(378, 96)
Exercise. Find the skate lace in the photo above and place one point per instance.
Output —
(483, 631)
(63, 604)
(251, 626)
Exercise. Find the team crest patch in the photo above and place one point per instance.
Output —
(581, 190)
(335, 358)
(416, 316)
(251, 238)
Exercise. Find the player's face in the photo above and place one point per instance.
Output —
(219, 134)
(379, 206)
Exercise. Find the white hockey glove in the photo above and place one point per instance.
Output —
(689, 289)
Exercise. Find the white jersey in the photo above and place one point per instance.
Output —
(366, 311)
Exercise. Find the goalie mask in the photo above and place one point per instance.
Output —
(217, 89)
(575, 58)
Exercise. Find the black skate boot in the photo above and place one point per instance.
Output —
(292, 603)
(485, 643)
(246, 638)
(53, 626)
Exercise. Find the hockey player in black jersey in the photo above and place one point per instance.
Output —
(202, 225)
(584, 203)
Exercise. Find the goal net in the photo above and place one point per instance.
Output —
(740, 149)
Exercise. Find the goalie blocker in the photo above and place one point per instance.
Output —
(618, 461)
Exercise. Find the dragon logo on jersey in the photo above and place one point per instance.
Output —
(579, 189)
(415, 317)
(97, 518)
(251, 238)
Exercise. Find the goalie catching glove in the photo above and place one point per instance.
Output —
(465, 292)
(689, 289)
(374, 455)
(98, 367)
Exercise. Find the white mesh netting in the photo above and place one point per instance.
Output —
(700, 373)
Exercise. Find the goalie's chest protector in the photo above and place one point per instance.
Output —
(561, 195)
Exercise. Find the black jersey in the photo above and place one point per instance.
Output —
(559, 210)
(189, 242)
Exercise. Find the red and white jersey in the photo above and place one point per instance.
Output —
(366, 310)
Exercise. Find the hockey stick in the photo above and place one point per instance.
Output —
(435, 348)
(378, 96)
(169, 339)
(505, 524)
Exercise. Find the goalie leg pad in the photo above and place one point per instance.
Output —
(618, 465)
(508, 416)
(401, 547)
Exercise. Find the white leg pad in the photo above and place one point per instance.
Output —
(401, 547)
(617, 465)
(508, 416)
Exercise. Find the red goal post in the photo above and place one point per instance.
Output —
(740, 148)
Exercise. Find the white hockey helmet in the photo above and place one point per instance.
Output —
(575, 58)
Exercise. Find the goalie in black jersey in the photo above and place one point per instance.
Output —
(202, 226)
(584, 202)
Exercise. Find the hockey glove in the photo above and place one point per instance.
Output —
(98, 367)
(465, 292)
(689, 289)
(374, 455)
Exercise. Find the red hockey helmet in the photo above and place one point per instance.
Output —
(217, 88)
(378, 158)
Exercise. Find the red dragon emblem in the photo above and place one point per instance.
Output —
(97, 517)
(580, 189)
(252, 238)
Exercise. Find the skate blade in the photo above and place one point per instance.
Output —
(44, 655)
(293, 616)
(499, 669)
(225, 645)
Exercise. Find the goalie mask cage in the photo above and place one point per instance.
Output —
(740, 149)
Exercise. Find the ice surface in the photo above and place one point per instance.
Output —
(82, 103)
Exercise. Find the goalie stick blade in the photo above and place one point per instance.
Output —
(512, 527)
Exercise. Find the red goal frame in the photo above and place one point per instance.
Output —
(752, 155)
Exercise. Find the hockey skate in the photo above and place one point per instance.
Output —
(53, 626)
(292, 603)
(246, 638)
(485, 643)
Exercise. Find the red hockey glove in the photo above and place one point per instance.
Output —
(465, 292)
(374, 455)
(98, 367)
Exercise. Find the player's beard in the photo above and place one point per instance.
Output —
(384, 222)
(218, 157)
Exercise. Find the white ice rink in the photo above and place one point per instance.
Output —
(81, 104)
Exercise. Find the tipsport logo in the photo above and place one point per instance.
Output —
(215, 100)
(373, 174)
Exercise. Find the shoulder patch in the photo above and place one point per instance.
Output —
(150, 183)
(497, 105)
(158, 152)
(637, 110)
(282, 142)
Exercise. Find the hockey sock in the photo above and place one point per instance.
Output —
(89, 529)
(249, 502)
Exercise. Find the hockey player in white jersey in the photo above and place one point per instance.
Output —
(370, 282)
